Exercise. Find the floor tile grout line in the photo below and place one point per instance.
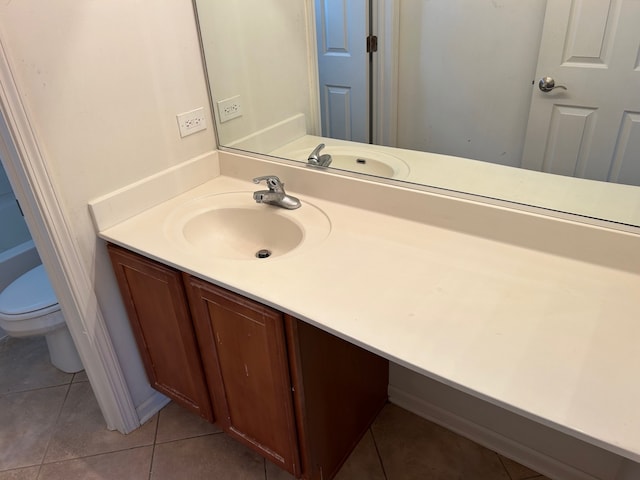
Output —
(117, 450)
(188, 437)
(55, 424)
(16, 392)
(92, 455)
(23, 467)
(43, 462)
(73, 379)
(153, 447)
(380, 459)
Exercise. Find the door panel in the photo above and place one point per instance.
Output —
(589, 130)
(588, 35)
(157, 308)
(337, 111)
(625, 160)
(341, 29)
(570, 134)
(245, 360)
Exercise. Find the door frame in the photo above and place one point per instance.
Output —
(28, 172)
(385, 20)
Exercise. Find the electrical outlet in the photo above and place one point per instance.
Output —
(229, 108)
(191, 122)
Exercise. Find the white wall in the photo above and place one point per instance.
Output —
(466, 68)
(258, 49)
(102, 83)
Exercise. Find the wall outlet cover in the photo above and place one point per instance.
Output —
(191, 122)
(229, 108)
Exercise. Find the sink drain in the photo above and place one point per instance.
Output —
(263, 253)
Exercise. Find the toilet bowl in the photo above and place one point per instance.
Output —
(28, 307)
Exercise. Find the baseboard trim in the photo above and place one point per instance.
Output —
(151, 406)
(488, 438)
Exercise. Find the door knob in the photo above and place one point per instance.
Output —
(547, 84)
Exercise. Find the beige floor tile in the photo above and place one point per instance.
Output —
(519, 472)
(131, 464)
(274, 472)
(81, 376)
(209, 457)
(177, 423)
(413, 448)
(28, 420)
(81, 430)
(35, 370)
(363, 462)
(29, 473)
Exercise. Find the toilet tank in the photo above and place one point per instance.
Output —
(17, 260)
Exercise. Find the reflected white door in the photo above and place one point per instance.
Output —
(343, 68)
(592, 129)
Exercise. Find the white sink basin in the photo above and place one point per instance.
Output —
(233, 226)
(359, 159)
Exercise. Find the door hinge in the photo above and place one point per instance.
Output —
(372, 43)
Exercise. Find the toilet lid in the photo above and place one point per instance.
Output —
(30, 292)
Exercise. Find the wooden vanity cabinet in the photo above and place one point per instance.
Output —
(296, 394)
(245, 359)
(156, 304)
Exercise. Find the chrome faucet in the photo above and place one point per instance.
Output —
(276, 194)
(317, 160)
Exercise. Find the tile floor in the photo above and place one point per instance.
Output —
(51, 429)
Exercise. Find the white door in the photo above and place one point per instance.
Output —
(591, 129)
(343, 68)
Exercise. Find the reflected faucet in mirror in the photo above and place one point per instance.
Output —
(317, 160)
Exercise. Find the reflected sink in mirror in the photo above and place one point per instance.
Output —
(232, 226)
(360, 159)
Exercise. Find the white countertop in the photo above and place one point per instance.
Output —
(551, 338)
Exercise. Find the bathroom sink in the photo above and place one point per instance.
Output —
(359, 159)
(233, 226)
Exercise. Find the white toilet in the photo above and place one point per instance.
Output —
(28, 306)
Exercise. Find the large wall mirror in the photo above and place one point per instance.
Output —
(531, 101)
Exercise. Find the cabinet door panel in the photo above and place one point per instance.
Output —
(245, 358)
(159, 315)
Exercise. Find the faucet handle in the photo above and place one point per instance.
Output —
(273, 182)
(317, 150)
(314, 157)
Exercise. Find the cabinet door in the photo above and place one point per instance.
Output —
(244, 352)
(154, 297)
